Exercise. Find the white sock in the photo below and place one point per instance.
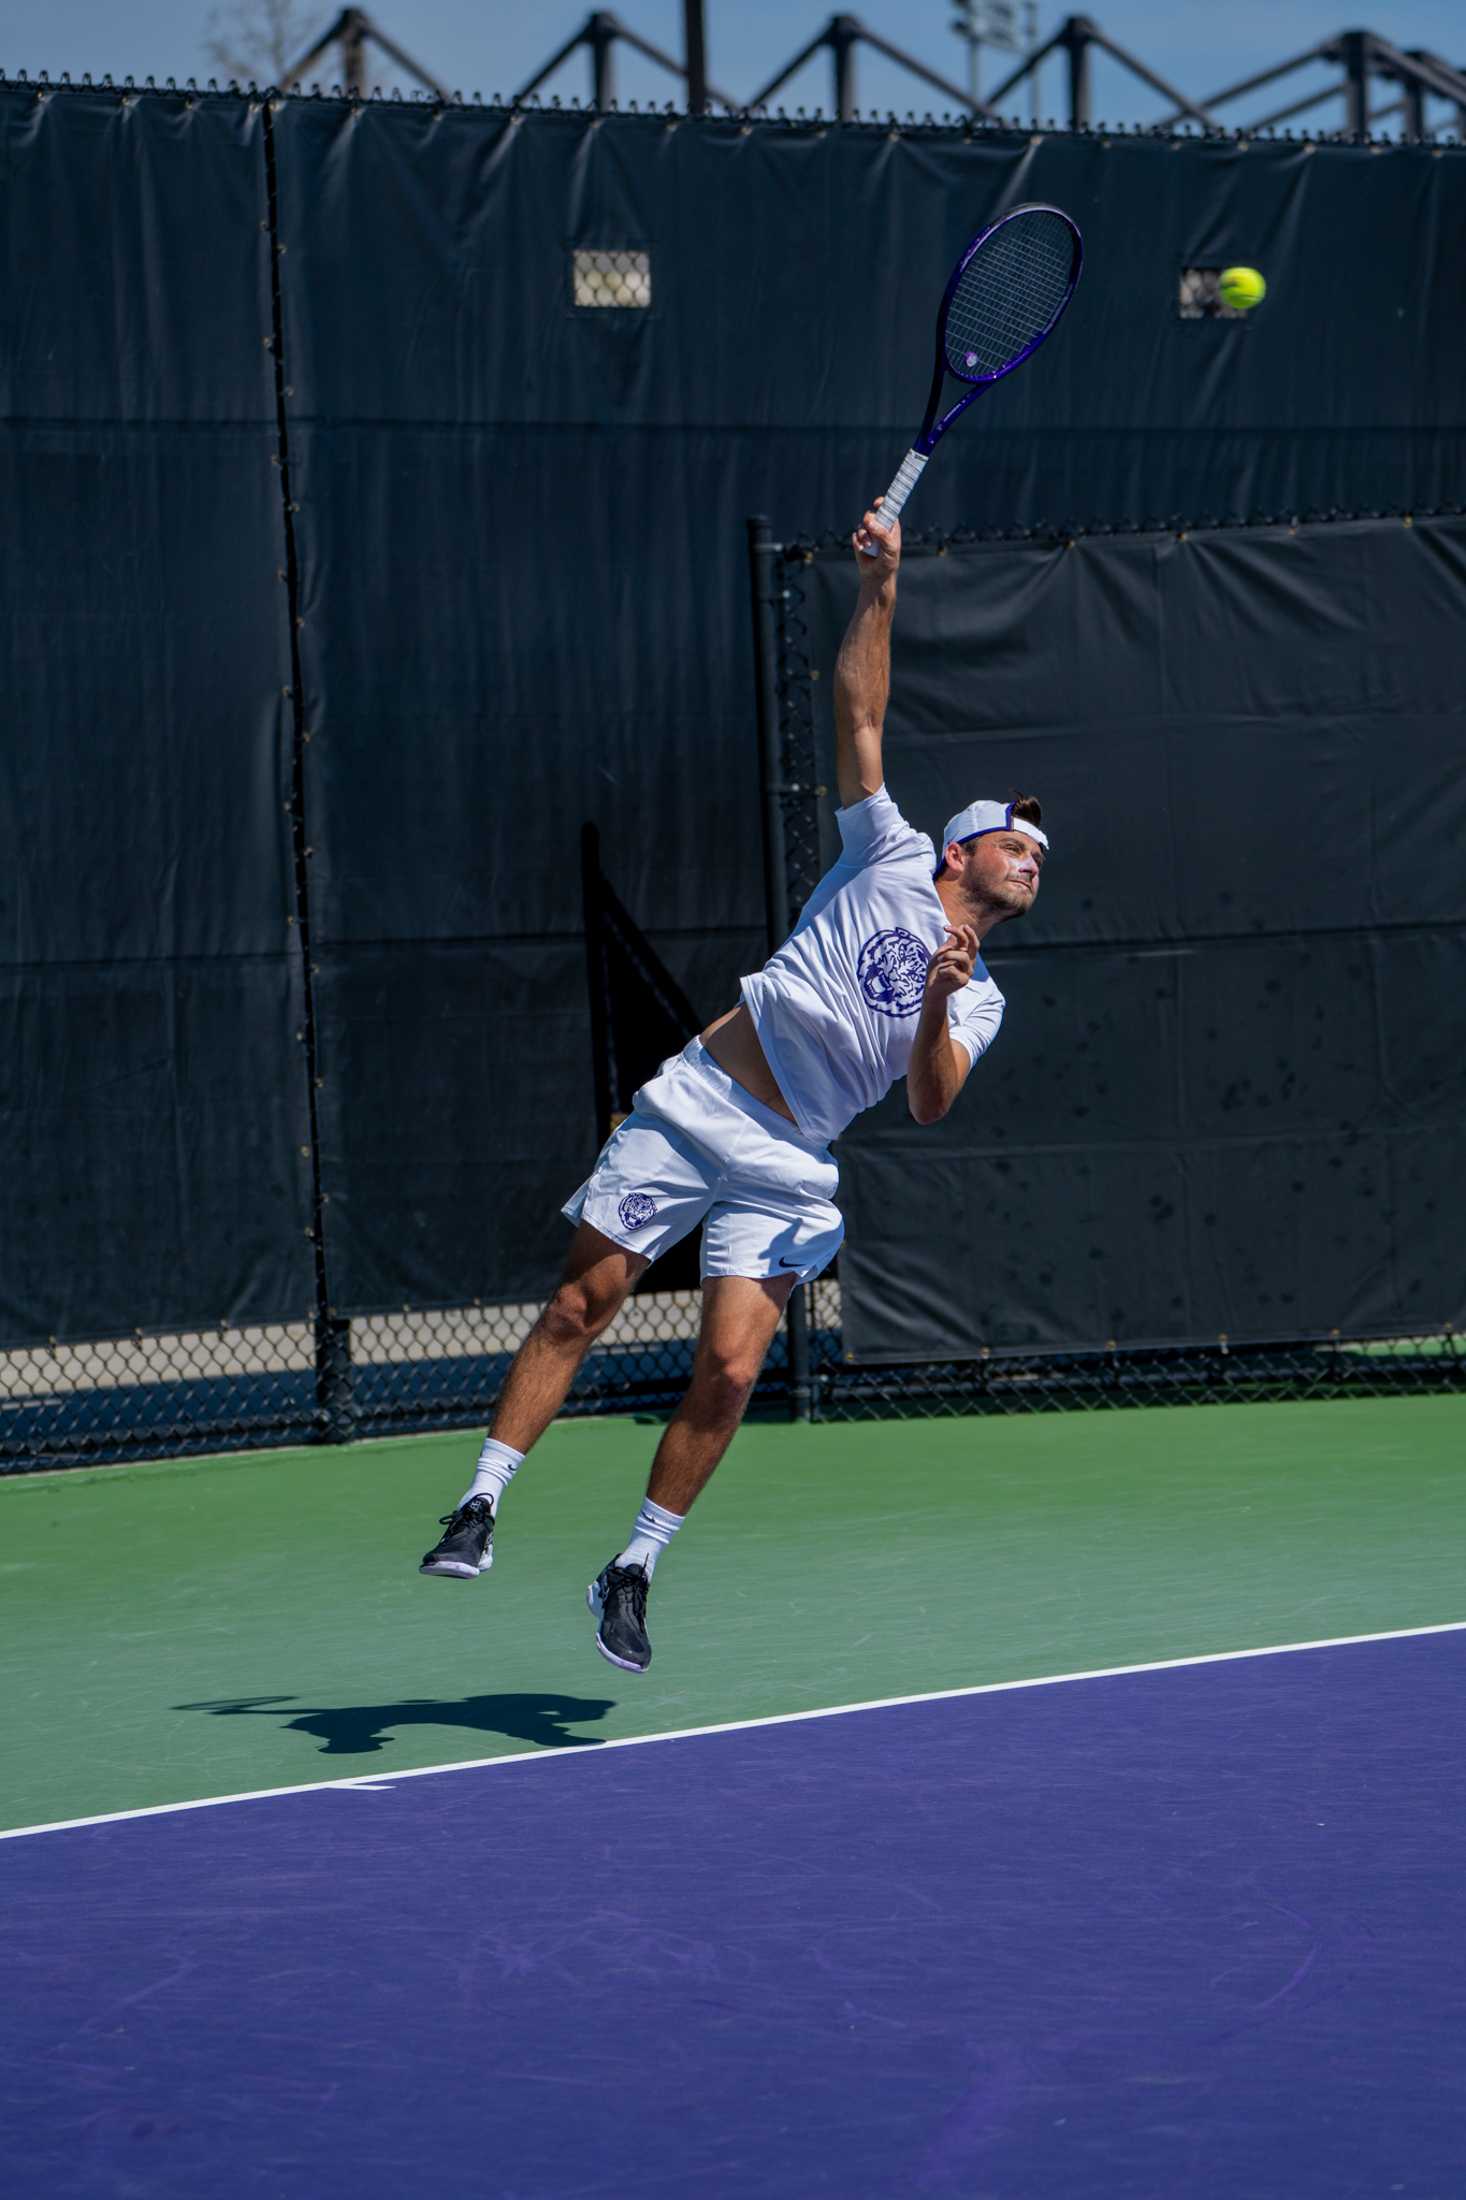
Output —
(497, 1466)
(654, 1530)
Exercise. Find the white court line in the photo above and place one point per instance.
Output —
(377, 1780)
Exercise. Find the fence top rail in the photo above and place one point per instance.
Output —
(957, 128)
(1060, 534)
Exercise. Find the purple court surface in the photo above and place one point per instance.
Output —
(1196, 1932)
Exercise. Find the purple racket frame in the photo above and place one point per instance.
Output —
(932, 429)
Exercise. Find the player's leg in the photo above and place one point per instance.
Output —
(651, 1184)
(740, 1317)
(599, 1273)
(773, 1230)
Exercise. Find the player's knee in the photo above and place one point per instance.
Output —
(578, 1312)
(727, 1380)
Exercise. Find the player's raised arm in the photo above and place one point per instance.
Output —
(863, 667)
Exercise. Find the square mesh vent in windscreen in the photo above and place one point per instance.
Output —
(1199, 299)
(612, 279)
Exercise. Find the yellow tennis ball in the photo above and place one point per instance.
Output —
(1241, 288)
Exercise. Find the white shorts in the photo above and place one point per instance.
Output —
(697, 1149)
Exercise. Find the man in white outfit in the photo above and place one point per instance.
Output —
(881, 978)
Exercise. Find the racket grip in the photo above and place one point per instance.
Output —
(908, 473)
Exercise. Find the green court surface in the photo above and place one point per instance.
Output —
(203, 1628)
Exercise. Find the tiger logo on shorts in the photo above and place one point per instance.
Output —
(636, 1209)
(892, 972)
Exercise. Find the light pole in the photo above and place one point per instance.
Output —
(1009, 25)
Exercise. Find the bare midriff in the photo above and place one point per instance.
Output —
(733, 1044)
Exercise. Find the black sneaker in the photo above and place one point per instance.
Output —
(617, 1596)
(468, 1548)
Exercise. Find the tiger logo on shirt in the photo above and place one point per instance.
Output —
(892, 972)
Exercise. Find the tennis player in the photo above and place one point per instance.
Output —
(881, 978)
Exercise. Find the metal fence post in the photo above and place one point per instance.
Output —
(695, 54)
(335, 1419)
(1075, 36)
(600, 31)
(602, 1067)
(763, 567)
(335, 1398)
(843, 34)
(1356, 55)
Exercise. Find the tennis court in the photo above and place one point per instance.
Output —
(963, 1838)
(436, 656)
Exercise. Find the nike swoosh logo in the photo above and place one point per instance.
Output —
(789, 1264)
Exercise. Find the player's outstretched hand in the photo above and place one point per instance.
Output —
(877, 546)
(951, 966)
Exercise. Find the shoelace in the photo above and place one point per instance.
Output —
(446, 1520)
(631, 1583)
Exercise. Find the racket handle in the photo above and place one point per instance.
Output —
(908, 473)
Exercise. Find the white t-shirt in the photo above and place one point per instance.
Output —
(836, 1008)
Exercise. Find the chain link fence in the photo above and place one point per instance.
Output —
(1159, 1375)
(234, 1389)
(155, 1396)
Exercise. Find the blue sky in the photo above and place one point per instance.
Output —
(494, 46)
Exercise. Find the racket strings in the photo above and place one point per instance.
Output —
(1011, 291)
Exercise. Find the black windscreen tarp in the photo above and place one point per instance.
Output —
(154, 1164)
(522, 549)
(519, 605)
(1229, 1090)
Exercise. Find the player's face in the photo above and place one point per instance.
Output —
(1001, 870)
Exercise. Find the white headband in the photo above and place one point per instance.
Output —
(989, 817)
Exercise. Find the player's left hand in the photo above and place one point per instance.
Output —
(951, 966)
(877, 546)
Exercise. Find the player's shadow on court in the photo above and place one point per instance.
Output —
(365, 1729)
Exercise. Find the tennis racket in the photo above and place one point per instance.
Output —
(1005, 296)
